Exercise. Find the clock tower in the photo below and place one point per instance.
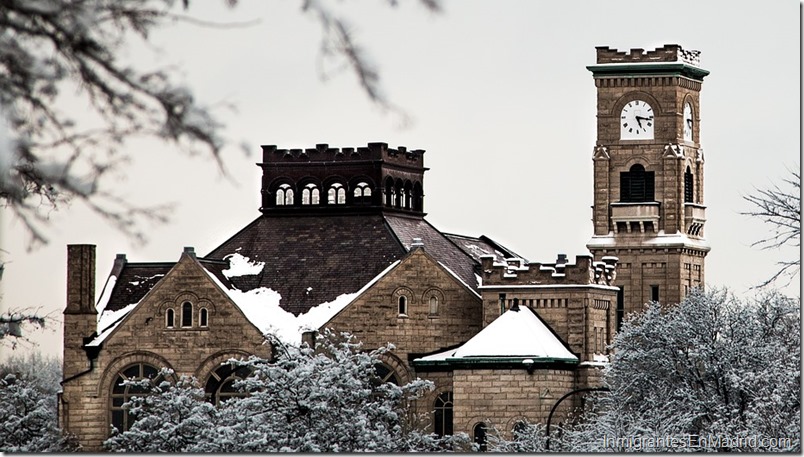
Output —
(648, 173)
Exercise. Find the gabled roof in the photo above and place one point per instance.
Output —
(514, 337)
(311, 260)
(307, 260)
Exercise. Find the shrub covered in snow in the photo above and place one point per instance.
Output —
(711, 374)
(28, 420)
(324, 400)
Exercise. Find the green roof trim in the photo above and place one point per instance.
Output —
(494, 362)
(652, 69)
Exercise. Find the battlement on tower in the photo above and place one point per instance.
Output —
(324, 153)
(584, 271)
(667, 53)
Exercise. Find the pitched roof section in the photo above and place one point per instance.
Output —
(133, 282)
(436, 244)
(311, 260)
(476, 247)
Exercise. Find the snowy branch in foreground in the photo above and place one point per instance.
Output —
(53, 47)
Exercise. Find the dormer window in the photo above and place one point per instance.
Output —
(187, 314)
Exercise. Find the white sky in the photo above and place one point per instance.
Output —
(500, 98)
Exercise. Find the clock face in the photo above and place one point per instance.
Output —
(687, 122)
(636, 121)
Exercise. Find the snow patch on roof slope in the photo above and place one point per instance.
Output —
(106, 294)
(240, 265)
(515, 334)
(108, 321)
(261, 307)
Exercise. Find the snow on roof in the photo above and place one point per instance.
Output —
(105, 295)
(239, 265)
(516, 334)
(108, 321)
(660, 240)
(262, 307)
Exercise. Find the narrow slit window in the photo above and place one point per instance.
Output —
(403, 305)
(203, 317)
(169, 318)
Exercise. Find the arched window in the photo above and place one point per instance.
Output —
(386, 374)
(418, 200)
(688, 186)
(169, 318)
(220, 385)
(520, 430)
(187, 314)
(121, 418)
(311, 195)
(284, 195)
(362, 194)
(390, 196)
(399, 194)
(442, 416)
(336, 194)
(403, 305)
(636, 185)
(479, 435)
(203, 317)
(433, 305)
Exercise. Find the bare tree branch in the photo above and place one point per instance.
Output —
(781, 209)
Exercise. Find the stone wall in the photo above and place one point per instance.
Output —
(143, 338)
(501, 397)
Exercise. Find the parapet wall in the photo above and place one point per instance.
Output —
(584, 271)
(324, 153)
(667, 53)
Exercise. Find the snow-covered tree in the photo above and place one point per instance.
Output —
(324, 400)
(526, 437)
(28, 420)
(711, 367)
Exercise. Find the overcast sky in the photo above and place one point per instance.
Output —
(497, 94)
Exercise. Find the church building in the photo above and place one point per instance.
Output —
(341, 242)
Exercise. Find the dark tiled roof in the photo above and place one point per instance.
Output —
(134, 280)
(311, 260)
(476, 247)
(436, 244)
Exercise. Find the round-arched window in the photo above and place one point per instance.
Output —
(386, 374)
(220, 385)
(121, 418)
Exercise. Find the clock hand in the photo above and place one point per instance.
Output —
(638, 122)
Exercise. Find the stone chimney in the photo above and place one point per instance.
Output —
(80, 314)
(80, 279)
